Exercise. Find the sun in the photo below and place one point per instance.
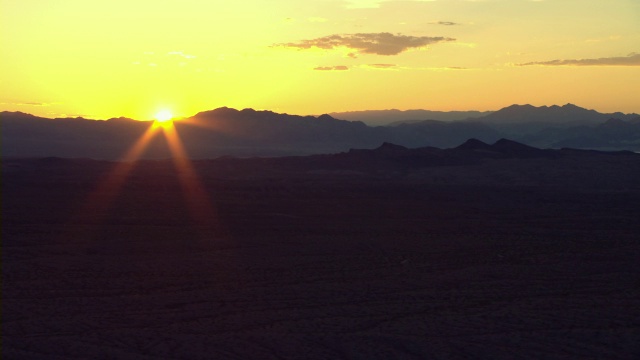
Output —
(164, 116)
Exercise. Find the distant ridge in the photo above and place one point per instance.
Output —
(17, 114)
(475, 144)
(390, 148)
(505, 147)
(249, 132)
(516, 149)
(396, 117)
(568, 113)
(393, 160)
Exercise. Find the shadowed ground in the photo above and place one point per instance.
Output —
(321, 265)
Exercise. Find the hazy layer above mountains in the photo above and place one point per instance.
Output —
(394, 116)
(248, 132)
(513, 115)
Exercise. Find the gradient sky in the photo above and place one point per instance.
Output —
(103, 59)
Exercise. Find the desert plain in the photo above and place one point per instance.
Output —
(262, 258)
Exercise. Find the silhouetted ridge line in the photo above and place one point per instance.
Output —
(221, 111)
(17, 114)
(389, 147)
(559, 115)
(249, 132)
(519, 150)
(326, 117)
(475, 144)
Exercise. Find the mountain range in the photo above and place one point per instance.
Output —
(226, 131)
(395, 116)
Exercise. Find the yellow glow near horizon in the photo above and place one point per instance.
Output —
(164, 116)
(96, 206)
(319, 57)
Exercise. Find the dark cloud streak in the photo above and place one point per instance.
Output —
(632, 59)
(446, 23)
(382, 66)
(368, 43)
(332, 68)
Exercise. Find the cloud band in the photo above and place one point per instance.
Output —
(368, 43)
(632, 59)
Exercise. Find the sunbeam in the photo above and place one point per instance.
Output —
(97, 204)
(197, 198)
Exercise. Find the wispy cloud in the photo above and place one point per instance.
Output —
(382, 66)
(395, 67)
(443, 68)
(368, 43)
(632, 59)
(181, 54)
(331, 68)
(28, 103)
(446, 23)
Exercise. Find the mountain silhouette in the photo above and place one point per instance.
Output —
(519, 119)
(248, 132)
(613, 134)
(519, 150)
(391, 160)
(475, 144)
(396, 117)
(554, 126)
(568, 113)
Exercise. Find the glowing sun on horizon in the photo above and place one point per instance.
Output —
(164, 116)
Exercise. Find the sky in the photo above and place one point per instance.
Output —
(103, 59)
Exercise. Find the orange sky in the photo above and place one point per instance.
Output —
(102, 59)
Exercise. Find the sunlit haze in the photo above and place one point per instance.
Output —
(164, 116)
(102, 59)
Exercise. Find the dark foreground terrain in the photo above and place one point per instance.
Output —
(255, 259)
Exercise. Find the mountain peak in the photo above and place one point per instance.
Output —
(519, 150)
(17, 114)
(474, 144)
(121, 118)
(516, 107)
(325, 117)
(557, 115)
(221, 111)
(510, 144)
(389, 147)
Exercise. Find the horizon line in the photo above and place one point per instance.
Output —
(178, 118)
